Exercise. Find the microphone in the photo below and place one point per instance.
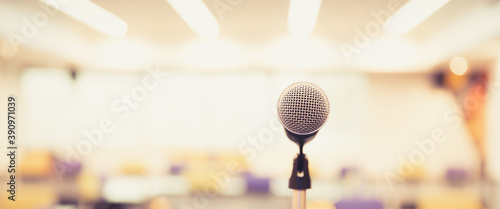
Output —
(303, 109)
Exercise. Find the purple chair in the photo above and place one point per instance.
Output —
(358, 203)
(456, 176)
(256, 185)
(176, 169)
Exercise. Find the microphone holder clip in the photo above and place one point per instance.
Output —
(300, 179)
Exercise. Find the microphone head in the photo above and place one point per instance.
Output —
(303, 108)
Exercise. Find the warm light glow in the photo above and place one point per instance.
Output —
(458, 65)
(412, 14)
(93, 15)
(302, 16)
(197, 16)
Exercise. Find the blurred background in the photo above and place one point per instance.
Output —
(172, 103)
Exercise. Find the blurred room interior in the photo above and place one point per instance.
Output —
(172, 103)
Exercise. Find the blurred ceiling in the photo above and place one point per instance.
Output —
(253, 25)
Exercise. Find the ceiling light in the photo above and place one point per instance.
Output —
(458, 65)
(302, 16)
(197, 16)
(92, 15)
(410, 15)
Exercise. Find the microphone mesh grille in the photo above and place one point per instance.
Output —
(303, 108)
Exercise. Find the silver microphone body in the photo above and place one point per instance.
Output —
(303, 109)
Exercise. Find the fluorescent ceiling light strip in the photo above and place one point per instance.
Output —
(410, 15)
(302, 16)
(92, 15)
(197, 17)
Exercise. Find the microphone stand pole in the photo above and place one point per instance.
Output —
(299, 181)
(299, 199)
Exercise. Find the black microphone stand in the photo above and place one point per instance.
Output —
(300, 180)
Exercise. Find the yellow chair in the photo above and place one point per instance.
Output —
(451, 199)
